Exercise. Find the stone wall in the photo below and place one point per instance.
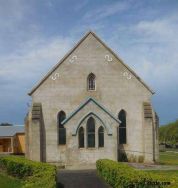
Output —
(116, 88)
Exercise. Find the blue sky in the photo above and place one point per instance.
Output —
(34, 35)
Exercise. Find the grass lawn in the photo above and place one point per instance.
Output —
(9, 182)
(167, 173)
(169, 158)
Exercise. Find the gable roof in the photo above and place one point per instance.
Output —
(90, 99)
(9, 131)
(71, 51)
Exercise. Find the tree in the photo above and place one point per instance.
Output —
(5, 124)
(168, 134)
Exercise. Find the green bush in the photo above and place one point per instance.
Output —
(121, 175)
(35, 174)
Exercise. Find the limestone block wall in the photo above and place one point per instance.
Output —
(63, 153)
(151, 143)
(156, 135)
(116, 88)
(86, 155)
(35, 153)
(27, 141)
(33, 133)
(75, 155)
(148, 140)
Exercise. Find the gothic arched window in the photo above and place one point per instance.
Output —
(101, 136)
(61, 130)
(61, 117)
(91, 82)
(91, 133)
(122, 127)
(81, 137)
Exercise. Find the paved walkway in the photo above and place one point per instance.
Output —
(79, 179)
(142, 166)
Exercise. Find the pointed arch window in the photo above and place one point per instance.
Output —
(101, 137)
(91, 132)
(91, 82)
(81, 137)
(122, 127)
(61, 128)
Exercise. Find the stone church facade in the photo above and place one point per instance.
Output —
(91, 106)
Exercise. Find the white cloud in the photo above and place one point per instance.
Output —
(150, 47)
(159, 29)
(151, 50)
(35, 57)
(162, 61)
(106, 10)
(16, 25)
(146, 42)
(80, 5)
(11, 12)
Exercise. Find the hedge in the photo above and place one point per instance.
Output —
(119, 174)
(34, 174)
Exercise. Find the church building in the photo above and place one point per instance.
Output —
(91, 106)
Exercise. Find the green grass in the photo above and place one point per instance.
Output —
(9, 182)
(172, 174)
(168, 158)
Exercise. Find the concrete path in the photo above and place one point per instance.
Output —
(79, 179)
(142, 166)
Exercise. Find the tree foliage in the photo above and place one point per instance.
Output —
(169, 133)
(5, 124)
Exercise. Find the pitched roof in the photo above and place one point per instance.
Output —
(90, 99)
(9, 131)
(70, 52)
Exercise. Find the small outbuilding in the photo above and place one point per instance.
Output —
(12, 139)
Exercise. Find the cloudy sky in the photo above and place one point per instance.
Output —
(34, 35)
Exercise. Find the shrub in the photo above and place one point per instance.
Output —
(35, 174)
(122, 175)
